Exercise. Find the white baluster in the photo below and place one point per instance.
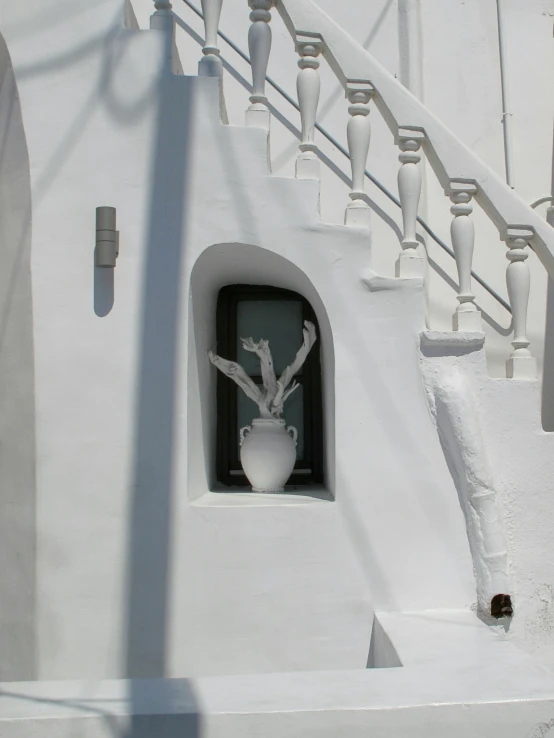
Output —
(521, 364)
(410, 262)
(467, 317)
(358, 134)
(308, 86)
(163, 19)
(259, 45)
(210, 65)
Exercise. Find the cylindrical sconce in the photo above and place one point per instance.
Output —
(107, 238)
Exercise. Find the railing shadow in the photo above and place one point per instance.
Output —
(84, 707)
(164, 709)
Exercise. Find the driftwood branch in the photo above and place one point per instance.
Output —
(261, 349)
(290, 390)
(235, 372)
(281, 396)
(271, 399)
(309, 339)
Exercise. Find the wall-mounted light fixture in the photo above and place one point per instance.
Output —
(107, 238)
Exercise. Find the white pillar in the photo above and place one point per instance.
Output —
(308, 87)
(259, 45)
(358, 134)
(163, 19)
(467, 317)
(410, 262)
(521, 364)
(210, 65)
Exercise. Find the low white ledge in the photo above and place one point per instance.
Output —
(378, 283)
(458, 339)
(226, 497)
(446, 638)
(460, 679)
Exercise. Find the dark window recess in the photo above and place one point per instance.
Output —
(277, 315)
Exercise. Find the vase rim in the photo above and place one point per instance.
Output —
(264, 421)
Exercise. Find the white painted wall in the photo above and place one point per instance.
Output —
(141, 570)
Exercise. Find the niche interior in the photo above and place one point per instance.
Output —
(276, 314)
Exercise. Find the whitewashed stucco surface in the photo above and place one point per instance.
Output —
(141, 570)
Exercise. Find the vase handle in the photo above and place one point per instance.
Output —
(244, 432)
(293, 433)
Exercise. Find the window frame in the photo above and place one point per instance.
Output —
(307, 471)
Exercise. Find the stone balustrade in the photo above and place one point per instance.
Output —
(521, 364)
(410, 262)
(467, 317)
(259, 46)
(210, 64)
(358, 135)
(307, 87)
(463, 176)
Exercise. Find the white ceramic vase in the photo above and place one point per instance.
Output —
(268, 453)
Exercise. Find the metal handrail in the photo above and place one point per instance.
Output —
(368, 174)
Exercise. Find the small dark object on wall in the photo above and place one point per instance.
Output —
(501, 606)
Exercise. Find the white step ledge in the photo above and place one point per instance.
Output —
(457, 339)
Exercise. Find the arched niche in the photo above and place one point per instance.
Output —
(226, 264)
